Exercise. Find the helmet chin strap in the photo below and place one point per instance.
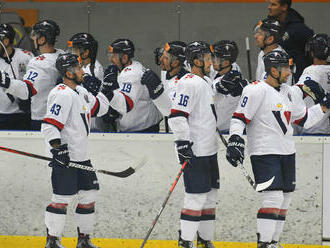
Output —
(74, 79)
(279, 76)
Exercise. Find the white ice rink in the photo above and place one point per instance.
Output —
(126, 207)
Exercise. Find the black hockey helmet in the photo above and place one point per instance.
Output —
(225, 49)
(272, 27)
(84, 41)
(7, 31)
(196, 50)
(124, 46)
(177, 49)
(276, 59)
(67, 61)
(47, 28)
(158, 52)
(319, 44)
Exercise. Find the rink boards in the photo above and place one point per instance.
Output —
(126, 207)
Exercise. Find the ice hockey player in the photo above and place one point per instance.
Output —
(267, 110)
(85, 46)
(317, 77)
(14, 113)
(125, 73)
(193, 123)
(228, 82)
(171, 61)
(66, 127)
(268, 33)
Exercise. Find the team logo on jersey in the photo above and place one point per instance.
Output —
(285, 36)
(86, 98)
(127, 69)
(279, 105)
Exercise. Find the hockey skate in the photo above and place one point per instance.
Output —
(84, 241)
(185, 243)
(277, 244)
(266, 245)
(201, 243)
(53, 242)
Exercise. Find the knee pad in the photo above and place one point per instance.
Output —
(286, 202)
(194, 201)
(211, 199)
(272, 199)
(86, 196)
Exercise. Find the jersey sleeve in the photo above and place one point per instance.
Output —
(21, 89)
(57, 113)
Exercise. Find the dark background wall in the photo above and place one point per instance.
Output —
(150, 25)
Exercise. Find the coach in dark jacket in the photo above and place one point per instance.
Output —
(296, 33)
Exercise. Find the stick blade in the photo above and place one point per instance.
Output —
(264, 185)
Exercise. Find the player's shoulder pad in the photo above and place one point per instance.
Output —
(255, 87)
(136, 69)
(62, 89)
(25, 53)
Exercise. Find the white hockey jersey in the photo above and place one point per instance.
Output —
(19, 61)
(68, 118)
(192, 115)
(261, 73)
(42, 73)
(321, 75)
(144, 113)
(225, 105)
(268, 115)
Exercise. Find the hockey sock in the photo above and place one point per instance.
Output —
(281, 217)
(85, 215)
(206, 225)
(267, 215)
(55, 218)
(191, 215)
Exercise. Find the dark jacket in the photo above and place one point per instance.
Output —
(296, 33)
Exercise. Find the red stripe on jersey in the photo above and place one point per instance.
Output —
(191, 212)
(129, 102)
(86, 206)
(269, 211)
(58, 205)
(95, 108)
(31, 88)
(302, 120)
(242, 117)
(54, 122)
(209, 211)
(175, 112)
(283, 212)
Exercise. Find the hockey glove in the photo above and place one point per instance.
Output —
(110, 82)
(233, 82)
(60, 156)
(91, 84)
(314, 90)
(184, 150)
(326, 101)
(4, 80)
(235, 150)
(151, 80)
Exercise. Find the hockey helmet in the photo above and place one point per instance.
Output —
(276, 59)
(196, 50)
(84, 41)
(272, 27)
(47, 28)
(124, 46)
(67, 61)
(225, 49)
(7, 31)
(177, 49)
(319, 44)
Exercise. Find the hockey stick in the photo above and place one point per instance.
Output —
(164, 204)
(125, 173)
(257, 187)
(247, 44)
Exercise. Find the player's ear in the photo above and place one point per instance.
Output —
(6, 42)
(41, 40)
(198, 62)
(226, 63)
(125, 58)
(175, 63)
(274, 71)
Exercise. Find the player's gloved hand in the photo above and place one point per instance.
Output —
(151, 80)
(314, 90)
(4, 80)
(91, 84)
(235, 150)
(184, 150)
(60, 156)
(233, 82)
(110, 82)
(326, 101)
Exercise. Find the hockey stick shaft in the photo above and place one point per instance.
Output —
(122, 174)
(164, 204)
(247, 44)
